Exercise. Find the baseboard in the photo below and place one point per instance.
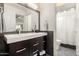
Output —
(68, 46)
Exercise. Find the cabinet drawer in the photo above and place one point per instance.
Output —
(18, 48)
(34, 41)
(35, 46)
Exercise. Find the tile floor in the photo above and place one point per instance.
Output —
(66, 52)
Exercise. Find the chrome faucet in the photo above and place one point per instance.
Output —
(34, 27)
(18, 30)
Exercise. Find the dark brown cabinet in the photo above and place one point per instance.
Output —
(27, 47)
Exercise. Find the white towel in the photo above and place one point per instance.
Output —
(42, 52)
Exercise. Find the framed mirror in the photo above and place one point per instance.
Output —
(18, 16)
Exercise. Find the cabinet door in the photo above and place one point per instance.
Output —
(18, 49)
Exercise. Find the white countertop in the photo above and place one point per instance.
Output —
(12, 38)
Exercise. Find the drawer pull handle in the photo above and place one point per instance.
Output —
(35, 51)
(43, 41)
(36, 44)
(21, 50)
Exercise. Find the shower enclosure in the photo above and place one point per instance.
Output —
(66, 26)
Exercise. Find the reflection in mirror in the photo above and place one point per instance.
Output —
(19, 22)
(27, 22)
(23, 23)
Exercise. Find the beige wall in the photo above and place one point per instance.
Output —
(47, 13)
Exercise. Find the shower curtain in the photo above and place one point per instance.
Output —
(66, 26)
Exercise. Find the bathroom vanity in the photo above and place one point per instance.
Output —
(27, 44)
(20, 18)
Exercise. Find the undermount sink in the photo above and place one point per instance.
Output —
(23, 36)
